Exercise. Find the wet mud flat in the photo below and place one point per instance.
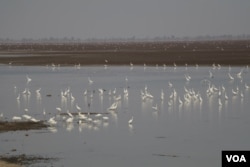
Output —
(23, 160)
(8, 160)
(234, 52)
(6, 126)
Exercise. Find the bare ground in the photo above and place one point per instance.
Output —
(6, 126)
(234, 52)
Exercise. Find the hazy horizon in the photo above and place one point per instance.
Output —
(122, 19)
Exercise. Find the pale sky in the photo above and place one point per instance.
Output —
(122, 18)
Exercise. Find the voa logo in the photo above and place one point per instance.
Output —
(236, 158)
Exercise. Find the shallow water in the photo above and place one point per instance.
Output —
(192, 134)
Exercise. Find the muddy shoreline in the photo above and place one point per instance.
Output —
(19, 160)
(23, 160)
(6, 126)
(236, 52)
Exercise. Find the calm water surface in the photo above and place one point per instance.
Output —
(188, 134)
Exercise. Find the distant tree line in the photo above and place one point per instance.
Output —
(129, 39)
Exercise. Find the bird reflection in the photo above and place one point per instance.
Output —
(52, 129)
(131, 128)
(69, 126)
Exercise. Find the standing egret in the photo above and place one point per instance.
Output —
(131, 66)
(105, 118)
(69, 120)
(90, 81)
(78, 108)
(58, 109)
(28, 79)
(52, 121)
(131, 120)
(18, 97)
(230, 76)
(162, 94)
(15, 118)
(100, 92)
(246, 86)
(69, 114)
(155, 107)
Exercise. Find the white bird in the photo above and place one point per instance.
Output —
(187, 77)
(15, 118)
(234, 92)
(52, 121)
(230, 76)
(170, 85)
(131, 66)
(59, 109)
(79, 122)
(85, 93)
(100, 92)
(34, 120)
(26, 91)
(18, 97)
(131, 120)
(146, 88)
(171, 96)
(105, 118)
(81, 116)
(218, 66)
(27, 117)
(114, 91)
(223, 88)
(219, 101)
(72, 97)
(164, 67)
(28, 79)
(241, 95)
(69, 120)
(69, 114)
(90, 81)
(44, 112)
(98, 115)
(180, 101)
(239, 75)
(155, 107)
(246, 86)
(78, 108)
(148, 95)
(162, 95)
(125, 91)
(113, 106)
(226, 97)
(175, 66)
(38, 91)
(214, 66)
(118, 98)
(211, 74)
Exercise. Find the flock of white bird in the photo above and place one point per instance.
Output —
(96, 118)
